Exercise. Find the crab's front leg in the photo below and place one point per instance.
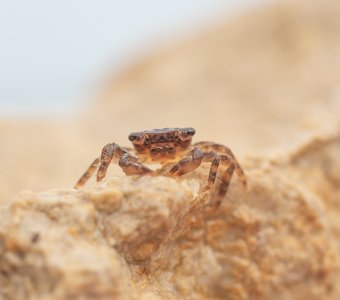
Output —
(187, 164)
(131, 166)
(127, 162)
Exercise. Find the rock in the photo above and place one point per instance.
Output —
(158, 238)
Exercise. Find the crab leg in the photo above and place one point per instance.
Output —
(108, 153)
(217, 159)
(221, 149)
(187, 164)
(130, 166)
(88, 173)
(224, 185)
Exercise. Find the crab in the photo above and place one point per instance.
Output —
(173, 150)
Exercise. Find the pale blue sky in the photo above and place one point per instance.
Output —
(52, 51)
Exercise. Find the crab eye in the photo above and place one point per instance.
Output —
(190, 131)
(136, 137)
(186, 133)
(132, 137)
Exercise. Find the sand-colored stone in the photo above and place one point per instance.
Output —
(267, 84)
(157, 238)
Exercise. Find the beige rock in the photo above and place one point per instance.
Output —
(157, 238)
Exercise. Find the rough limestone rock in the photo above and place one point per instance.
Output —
(158, 238)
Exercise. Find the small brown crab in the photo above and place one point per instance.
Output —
(166, 146)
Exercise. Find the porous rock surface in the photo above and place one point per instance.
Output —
(158, 238)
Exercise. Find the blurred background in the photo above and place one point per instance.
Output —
(259, 76)
(53, 55)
